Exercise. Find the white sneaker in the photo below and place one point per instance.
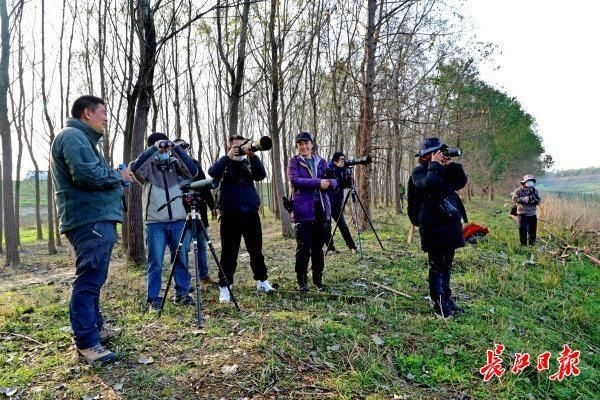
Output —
(264, 286)
(224, 296)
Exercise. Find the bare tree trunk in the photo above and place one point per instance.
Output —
(50, 200)
(279, 192)
(10, 228)
(237, 75)
(144, 87)
(366, 122)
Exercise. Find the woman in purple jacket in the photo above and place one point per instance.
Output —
(311, 209)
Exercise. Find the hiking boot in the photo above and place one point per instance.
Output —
(154, 304)
(301, 280)
(207, 280)
(353, 250)
(318, 281)
(97, 353)
(224, 296)
(107, 334)
(332, 249)
(264, 286)
(185, 300)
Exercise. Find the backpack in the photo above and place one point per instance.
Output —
(415, 201)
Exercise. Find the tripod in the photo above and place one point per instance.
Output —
(355, 199)
(193, 222)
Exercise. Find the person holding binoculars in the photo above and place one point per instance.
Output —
(159, 169)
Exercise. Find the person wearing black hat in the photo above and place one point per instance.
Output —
(434, 182)
(311, 209)
(159, 169)
(238, 203)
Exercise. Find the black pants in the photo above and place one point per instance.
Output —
(527, 227)
(310, 238)
(440, 263)
(233, 227)
(336, 213)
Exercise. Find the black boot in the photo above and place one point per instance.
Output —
(448, 293)
(301, 280)
(317, 277)
(441, 305)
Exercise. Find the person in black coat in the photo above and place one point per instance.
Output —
(435, 181)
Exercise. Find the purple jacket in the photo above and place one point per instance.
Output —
(304, 185)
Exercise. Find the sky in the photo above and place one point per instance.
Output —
(549, 59)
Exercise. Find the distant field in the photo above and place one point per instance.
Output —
(582, 184)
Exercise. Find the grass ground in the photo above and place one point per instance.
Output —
(355, 341)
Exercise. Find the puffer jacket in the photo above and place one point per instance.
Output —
(160, 183)
(524, 197)
(436, 183)
(305, 185)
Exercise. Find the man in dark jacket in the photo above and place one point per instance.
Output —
(160, 169)
(89, 204)
(343, 175)
(238, 204)
(435, 181)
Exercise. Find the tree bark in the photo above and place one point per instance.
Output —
(10, 228)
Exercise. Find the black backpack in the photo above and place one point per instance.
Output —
(415, 199)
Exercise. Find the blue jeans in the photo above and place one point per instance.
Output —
(159, 235)
(93, 244)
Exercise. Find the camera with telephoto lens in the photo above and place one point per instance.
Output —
(452, 151)
(363, 160)
(263, 144)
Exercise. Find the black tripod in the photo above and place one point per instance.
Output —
(355, 199)
(191, 201)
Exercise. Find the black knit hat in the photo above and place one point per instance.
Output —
(155, 137)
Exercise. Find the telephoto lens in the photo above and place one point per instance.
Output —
(364, 160)
(452, 152)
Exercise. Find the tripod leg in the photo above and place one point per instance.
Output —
(370, 222)
(355, 217)
(336, 223)
(199, 317)
(186, 227)
(214, 254)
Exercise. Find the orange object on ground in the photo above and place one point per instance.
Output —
(472, 232)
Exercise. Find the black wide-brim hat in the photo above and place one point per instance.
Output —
(429, 145)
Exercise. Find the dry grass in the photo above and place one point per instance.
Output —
(571, 213)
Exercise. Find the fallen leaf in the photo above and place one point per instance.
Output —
(60, 386)
(377, 340)
(145, 360)
(8, 391)
(118, 386)
(335, 347)
(410, 377)
(199, 332)
(229, 369)
(91, 397)
(449, 351)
